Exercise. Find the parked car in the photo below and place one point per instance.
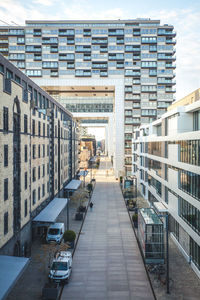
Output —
(61, 267)
(55, 233)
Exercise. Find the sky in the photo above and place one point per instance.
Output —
(98, 132)
(183, 14)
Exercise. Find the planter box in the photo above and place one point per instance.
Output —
(81, 209)
(51, 291)
(79, 216)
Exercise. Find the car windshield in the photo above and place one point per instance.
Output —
(59, 266)
(54, 231)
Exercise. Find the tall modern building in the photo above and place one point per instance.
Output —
(166, 162)
(114, 74)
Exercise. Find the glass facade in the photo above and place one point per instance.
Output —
(174, 227)
(156, 184)
(190, 183)
(190, 152)
(155, 148)
(156, 166)
(151, 235)
(195, 253)
(196, 120)
(190, 214)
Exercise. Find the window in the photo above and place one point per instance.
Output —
(39, 172)
(5, 118)
(39, 193)
(43, 150)
(34, 151)
(5, 223)
(25, 208)
(25, 180)
(190, 152)
(43, 190)
(194, 253)
(189, 183)
(47, 150)
(47, 130)
(34, 197)
(25, 153)
(39, 128)
(43, 129)
(34, 174)
(38, 151)
(5, 189)
(43, 170)
(5, 155)
(196, 120)
(25, 124)
(190, 214)
(33, 127)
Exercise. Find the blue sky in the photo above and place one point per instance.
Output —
(184, 15)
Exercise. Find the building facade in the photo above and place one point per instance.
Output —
(127, 66)
(166, 162)
(38, 155)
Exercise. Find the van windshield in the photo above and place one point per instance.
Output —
(54, 231)
(59, 266)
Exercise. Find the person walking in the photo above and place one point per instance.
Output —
(91, 206)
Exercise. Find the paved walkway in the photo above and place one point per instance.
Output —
(107, 263)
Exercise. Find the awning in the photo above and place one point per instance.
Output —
(159, 206)
(73, 185)
(50, 213)
(11, 268)
(83, 173)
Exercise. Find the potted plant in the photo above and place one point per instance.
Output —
(89, 187)
(69, 237)
(135, 220)
(81, 209)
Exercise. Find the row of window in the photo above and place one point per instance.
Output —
(156, 184)
(195, 253)
(190, 214)
(34, 198)
(40, 100)
(190, 152)
(189, 183)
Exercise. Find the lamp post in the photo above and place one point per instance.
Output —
(135, 187)
(67, 210)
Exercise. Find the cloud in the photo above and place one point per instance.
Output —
(44, 2)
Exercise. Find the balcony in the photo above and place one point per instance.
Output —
(170, 65)
(170, 89)
(171, 41)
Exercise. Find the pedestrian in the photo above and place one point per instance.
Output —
(91, 205)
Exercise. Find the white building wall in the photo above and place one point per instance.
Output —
(117, 130)
(180, 127)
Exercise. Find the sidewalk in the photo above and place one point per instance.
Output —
(107, 263)
(29, 286)
(186, 284)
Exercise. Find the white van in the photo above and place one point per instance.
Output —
(55, 233)
(61, 267)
